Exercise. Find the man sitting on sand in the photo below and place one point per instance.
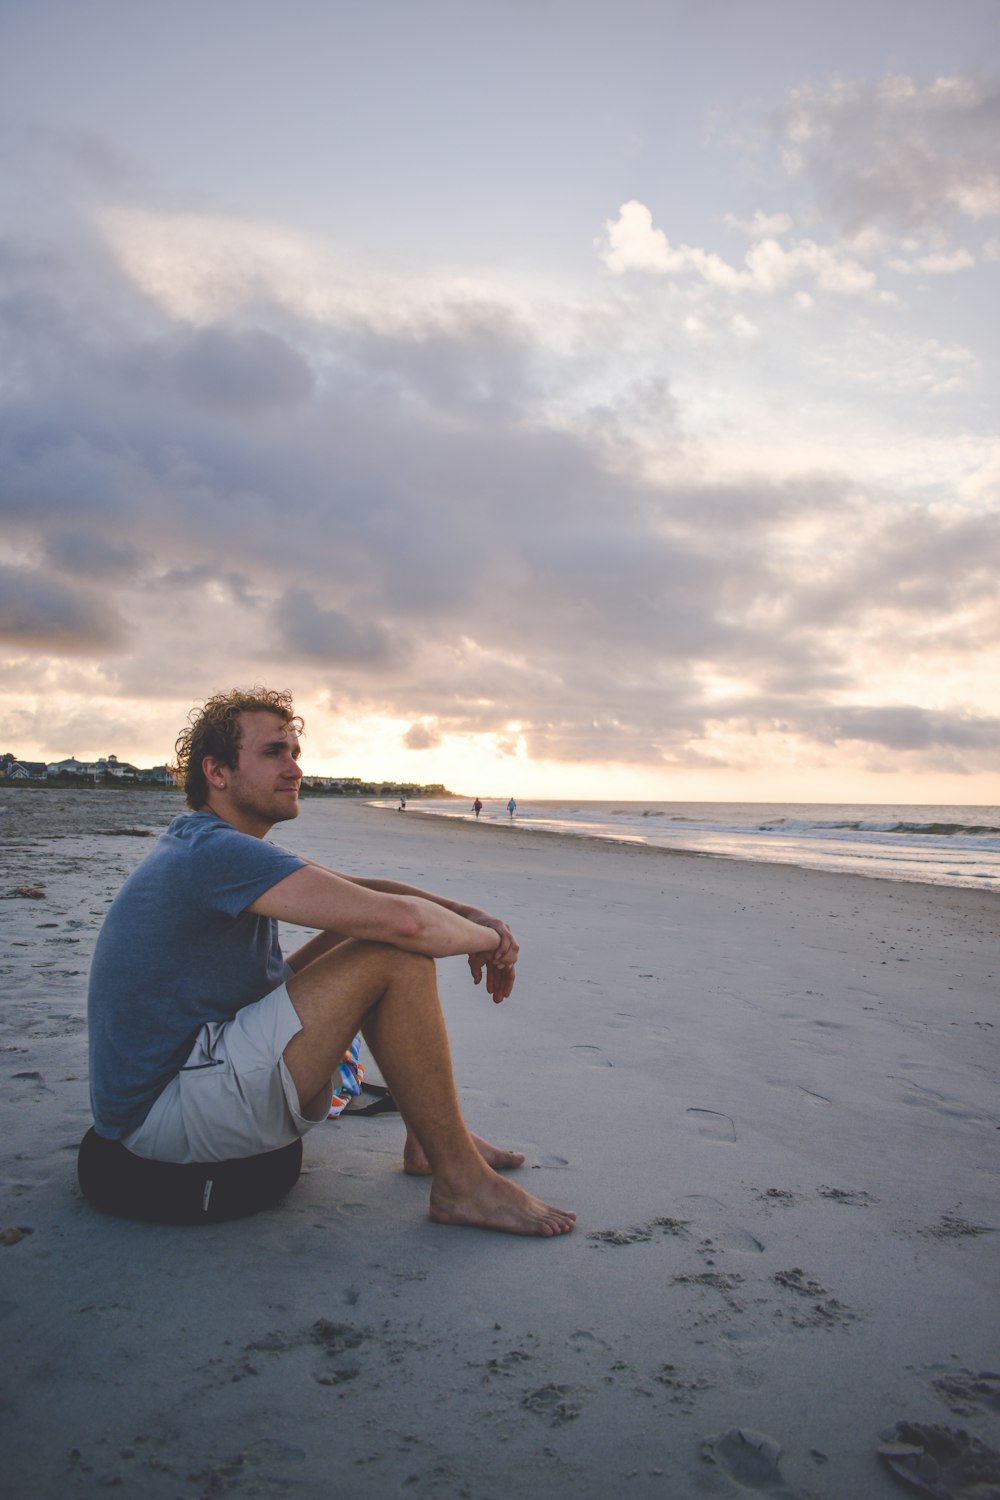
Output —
(206, 1044)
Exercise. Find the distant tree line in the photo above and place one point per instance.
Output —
(112, 772)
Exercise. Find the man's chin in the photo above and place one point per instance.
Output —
(288, 810)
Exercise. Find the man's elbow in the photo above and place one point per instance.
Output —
(410, 924)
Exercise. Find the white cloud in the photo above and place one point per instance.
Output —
(743, 328)
(976, 194)
(762, 226)
(632, 243)
(899, 362)
(208, 269)
(942, 263)
(771, 268)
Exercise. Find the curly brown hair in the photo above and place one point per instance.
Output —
(214, 729)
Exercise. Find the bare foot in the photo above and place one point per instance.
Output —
(494, 1203)
(415, 1161)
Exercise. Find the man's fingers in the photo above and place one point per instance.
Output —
(508, 950)
(499, 977)
(499, 981)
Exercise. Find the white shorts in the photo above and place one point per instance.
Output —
(234, 1096)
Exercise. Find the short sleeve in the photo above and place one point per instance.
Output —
(232, 869)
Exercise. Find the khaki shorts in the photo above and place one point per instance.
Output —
(234, 1096)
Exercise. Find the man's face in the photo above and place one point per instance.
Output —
(263, 787)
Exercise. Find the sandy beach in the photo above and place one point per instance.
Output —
(770, 1095)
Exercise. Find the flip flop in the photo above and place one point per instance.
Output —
(384, 1103)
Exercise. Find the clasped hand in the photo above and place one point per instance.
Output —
(497, 964)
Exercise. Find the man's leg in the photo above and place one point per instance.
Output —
(392, 997)
(415, 1162)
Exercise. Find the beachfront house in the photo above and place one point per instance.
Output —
(80, 770)
(25, 770)
(345, 786)
(155, 776)
(110, 768)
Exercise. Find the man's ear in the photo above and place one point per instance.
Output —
(214, 772)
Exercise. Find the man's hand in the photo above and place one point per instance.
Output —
(499, 977)
(508, 950)
(499, 964)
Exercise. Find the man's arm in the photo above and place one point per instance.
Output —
(499, 965)
(506, 953)
(314, 897)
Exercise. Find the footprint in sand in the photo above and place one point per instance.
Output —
(968, 1393)
(851, 1197)
(557, 1403)
(749, 1459)
(592, 1056)
(585, 1340)
(717, 1238)
(821, 1310)
(941, 1462)
(713, 1238)
(263, 1467)
(714, 1232)
(781, 1197)
(710, 1123)
(953, 1227)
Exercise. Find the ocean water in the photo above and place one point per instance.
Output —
(955, 846)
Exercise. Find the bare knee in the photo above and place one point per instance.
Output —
(339, 994)
(415, 964)
(390, 962)
(345, 982)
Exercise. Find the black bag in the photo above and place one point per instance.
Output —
(114, 1179)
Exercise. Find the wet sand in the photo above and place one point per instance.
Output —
(770, 1095)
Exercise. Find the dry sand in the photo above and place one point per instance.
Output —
(771, 1096)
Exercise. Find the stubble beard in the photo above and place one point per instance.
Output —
(289, 810)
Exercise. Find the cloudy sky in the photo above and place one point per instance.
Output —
(565, 397)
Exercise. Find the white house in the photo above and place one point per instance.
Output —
(156, 776)
(111, 766)
(26, 770)
(70, 767)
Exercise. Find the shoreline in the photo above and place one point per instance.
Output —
(505, 830)
(804, 864)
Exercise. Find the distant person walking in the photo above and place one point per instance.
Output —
(512, 808)
(477, 807)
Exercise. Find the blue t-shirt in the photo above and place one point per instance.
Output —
(176, 949)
